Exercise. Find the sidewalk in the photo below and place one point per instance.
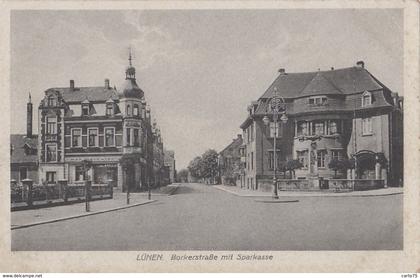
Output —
(252, 193)
(28, 218)
(161, 191)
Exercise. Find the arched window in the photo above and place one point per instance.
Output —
(366, 99)
(128, 110)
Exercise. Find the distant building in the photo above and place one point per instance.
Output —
(230, 165)
(24, 152)
(334, 114)
(110, 128)
(170, 162)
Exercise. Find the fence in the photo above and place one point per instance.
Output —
(333, 185)
(28, 194)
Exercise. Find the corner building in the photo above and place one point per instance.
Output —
(334, 114)
(101, 125)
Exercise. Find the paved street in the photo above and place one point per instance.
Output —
(200, 217)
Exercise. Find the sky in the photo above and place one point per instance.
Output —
(199, 69)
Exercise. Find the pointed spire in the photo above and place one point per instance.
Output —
(30, 98)
(129, 57)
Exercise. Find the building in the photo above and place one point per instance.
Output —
(335, 114)
(24, 151)
(170, 162)
(108, 127)
(230, 164)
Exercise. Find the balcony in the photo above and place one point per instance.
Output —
(51, 137)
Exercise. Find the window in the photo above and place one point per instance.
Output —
(128, 136)
(273, 129)
(79, 174)
(302, 156)
(302, 128)
(51, 125)
(136, 137)
(76, 135)
(51, 152)
(321, 158)
(136, 110)
(93, 137)
(23, 173)
(336, 154)
(128, 111)
(271, 159)
(109, 109)
(252, 161)
(50, 177)
(51, 101)
(85, 109)
(109, 137)
(366, 99)
(367, 126)
(333, 128)
(318, 128)
(318, 101)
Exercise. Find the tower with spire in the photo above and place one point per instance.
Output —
(29, 108)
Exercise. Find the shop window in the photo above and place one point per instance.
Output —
(51, 152)
(367, 126)
(302, 128)
(79, 174)
(318, 128)
(76, 135)
(333, 128)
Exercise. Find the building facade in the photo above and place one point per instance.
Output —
(109, 128)
(230, 164)
(336, 114)
(169, 157)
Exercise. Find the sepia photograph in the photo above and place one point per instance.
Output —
(207, 134)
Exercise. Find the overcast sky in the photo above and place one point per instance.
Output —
(199, 68)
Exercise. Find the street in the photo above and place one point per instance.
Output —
(200, 217)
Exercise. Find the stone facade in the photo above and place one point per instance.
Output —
(337, 114)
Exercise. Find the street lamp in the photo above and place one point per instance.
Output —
(277, 105)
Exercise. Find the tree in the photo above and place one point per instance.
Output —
(209, 165)
(292, 165)
(195, 167)
(338, 165)
(182, 175)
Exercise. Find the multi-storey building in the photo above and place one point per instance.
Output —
(169, 157)
(109, 128)
(334, 114)
(230, 164)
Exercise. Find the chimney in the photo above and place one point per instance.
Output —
(282, 71)
(106, 83)
(71, 85)
(29, 117)
(360, 64)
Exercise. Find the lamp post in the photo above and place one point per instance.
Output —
(277, 106)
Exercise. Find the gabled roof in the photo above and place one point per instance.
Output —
(236, 143)
(340, 81)
(19, 142)
(92, 94)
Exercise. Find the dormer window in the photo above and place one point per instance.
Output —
(85, 109)
(318, 100)
(366, 99)
(51, 101)
(109, 109)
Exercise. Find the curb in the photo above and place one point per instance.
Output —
(307, 195)
(158, 194)
(78, 216)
